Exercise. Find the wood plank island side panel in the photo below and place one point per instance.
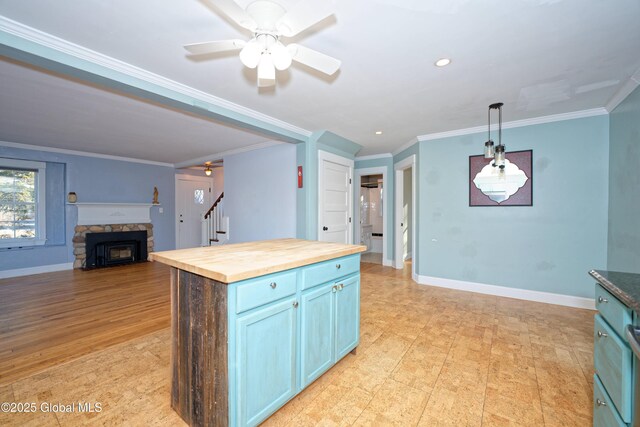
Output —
(240, 261)
(199, 392)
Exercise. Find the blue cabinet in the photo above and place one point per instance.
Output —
(330, 325)
(317, 333)
(287, 330)
(266, 360)
(613, 362)
(347, 315)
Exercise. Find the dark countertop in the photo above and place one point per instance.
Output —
(624, 286)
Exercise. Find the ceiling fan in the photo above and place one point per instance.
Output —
(270, 22)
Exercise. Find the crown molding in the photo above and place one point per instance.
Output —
(218, 156)
(82, 153)
(60, 45)
(404, 146)
(624, 91)
(517, 123)
(373, 157)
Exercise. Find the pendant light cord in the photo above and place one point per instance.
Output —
(500, 125)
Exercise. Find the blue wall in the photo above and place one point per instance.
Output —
(547, 247)
(260, 193)
(94, 180)
(624, 186)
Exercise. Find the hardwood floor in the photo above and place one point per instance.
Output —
(47, 319)
(428, 356)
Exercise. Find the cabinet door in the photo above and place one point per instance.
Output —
(317, 332)
(266, 358)
(347, 315)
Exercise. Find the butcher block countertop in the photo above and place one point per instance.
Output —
(240, 261)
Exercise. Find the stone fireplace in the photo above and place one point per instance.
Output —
(112, 234)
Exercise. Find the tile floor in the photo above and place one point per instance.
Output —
(371, 257)
(428, 357)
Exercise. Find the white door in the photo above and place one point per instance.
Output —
(193, 198)
(334, 198)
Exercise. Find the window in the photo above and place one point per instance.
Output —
(198, 197)
(22, 203)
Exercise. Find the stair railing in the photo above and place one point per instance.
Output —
(215, 217)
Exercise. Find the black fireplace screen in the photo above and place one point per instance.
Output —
(123, 247)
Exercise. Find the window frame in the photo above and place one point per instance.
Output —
(41, 233)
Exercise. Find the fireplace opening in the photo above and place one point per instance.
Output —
(116, 248)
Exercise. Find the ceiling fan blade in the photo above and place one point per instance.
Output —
(303, 15)
(314, 59)
(235, 13)
(214, 47)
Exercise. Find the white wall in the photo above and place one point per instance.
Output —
(260, 193)
(218, 182)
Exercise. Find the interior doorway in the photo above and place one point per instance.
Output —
(193, 198)
(371, 219)
(405, 214)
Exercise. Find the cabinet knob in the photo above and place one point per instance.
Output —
(334, 289)
(338, 266)
(340, 286)
(602, 334)
(601, 299)
(600, 402)
(295, 304)
(273, 285)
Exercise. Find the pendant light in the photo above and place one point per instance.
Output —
(497, 152)
(207, 170)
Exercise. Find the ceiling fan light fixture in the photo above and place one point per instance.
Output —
(280, 56)
(266, 71)
(250, 54)
(207, 170)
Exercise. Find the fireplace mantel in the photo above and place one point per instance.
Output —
(113, 213)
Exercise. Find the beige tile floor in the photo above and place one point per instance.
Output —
(371, 257)
(428, 357)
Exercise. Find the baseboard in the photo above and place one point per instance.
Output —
(5, 274)
(409, 255)
(503, 291)
(387, 262)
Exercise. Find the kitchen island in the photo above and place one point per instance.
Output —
(255, 323)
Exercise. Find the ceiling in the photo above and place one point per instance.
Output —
(539, 57)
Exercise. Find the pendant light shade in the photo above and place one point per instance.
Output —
(280, 56)
(266, 71)
(497, 152)
(250, 53)
(489, 152)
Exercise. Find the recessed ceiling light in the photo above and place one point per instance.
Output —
(378, 132)
(443, 62)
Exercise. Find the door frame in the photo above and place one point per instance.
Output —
(359, 173)
(344, 161)
(399, 168)
(186, 177)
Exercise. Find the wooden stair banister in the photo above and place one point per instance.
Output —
(213, 206)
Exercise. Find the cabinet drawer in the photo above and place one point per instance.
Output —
(612, 361)
(327, 271)
(265, 289)
(616, 313)
(604, 414)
